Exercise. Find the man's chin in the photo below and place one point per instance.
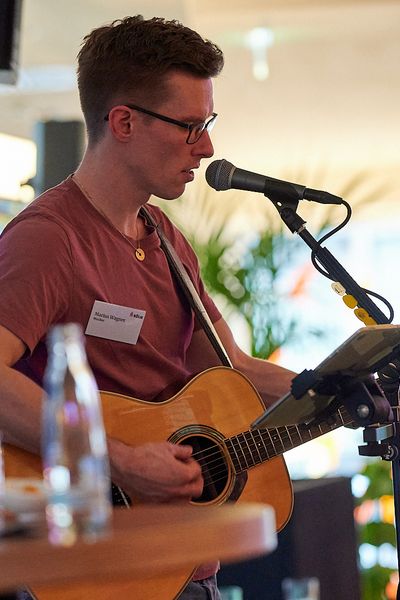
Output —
(170, 195)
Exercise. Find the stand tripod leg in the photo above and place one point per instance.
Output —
(396, 497)
(389, 381)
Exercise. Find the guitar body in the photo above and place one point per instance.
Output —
(216, 405)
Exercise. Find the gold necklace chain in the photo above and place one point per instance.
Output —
(139, 252)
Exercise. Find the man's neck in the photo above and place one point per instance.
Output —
(112, 197)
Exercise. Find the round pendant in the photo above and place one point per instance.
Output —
(139, 253)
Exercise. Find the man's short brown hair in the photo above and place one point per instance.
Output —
(128, 59)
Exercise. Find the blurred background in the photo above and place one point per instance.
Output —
(310, 93)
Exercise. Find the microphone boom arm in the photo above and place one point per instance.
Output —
(287, 210)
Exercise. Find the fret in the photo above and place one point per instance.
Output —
(234, 455)
(295, 435)
(342, 421)
(253, 451)
(329, 426)
(268, 442)
(239, 447)
(302, 429)
(290, 437)
(261, 445)
(324, 428)
(285, 438)
(243, 466)
(257, 445)
(280, 438)
(275, 441)
(246, 451)
(314, 430)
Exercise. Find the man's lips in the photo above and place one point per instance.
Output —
(191, 169)
(190, 172)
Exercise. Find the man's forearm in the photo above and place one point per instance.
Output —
(270, 380)
(20, 410)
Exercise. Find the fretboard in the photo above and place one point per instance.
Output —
(251, 448)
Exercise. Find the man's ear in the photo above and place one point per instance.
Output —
(121, 122)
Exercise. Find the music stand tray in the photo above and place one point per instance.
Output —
(363, 353)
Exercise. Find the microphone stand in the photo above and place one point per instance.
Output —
(383, 439)
(296, 224)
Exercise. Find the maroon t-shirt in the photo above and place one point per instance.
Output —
(60, 255)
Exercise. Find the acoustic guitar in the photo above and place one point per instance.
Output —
(211, 414)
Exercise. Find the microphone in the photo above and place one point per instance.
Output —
(223, 175)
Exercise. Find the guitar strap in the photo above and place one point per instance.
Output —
(190, 292)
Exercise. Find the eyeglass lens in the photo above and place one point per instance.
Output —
(197, 131)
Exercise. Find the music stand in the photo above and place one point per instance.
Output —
(343, 378)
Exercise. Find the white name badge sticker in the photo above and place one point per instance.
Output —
(115, 322)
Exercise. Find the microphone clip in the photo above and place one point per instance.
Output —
(287, 210)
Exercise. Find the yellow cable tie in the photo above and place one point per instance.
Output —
(361, 314)
(349, 301)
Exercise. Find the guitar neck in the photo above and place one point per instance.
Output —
(251, 448)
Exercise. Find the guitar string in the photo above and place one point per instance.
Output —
(209, 477)
(215, 475)
(277, 436)
(271, 445)
(210, 474)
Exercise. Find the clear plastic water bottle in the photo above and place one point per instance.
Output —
(74, 450)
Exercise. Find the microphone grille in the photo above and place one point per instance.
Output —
(219, 174)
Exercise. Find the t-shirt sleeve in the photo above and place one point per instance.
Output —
(35, 277)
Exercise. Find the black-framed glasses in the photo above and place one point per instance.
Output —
(195, 130)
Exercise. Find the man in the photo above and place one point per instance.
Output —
(147, 98)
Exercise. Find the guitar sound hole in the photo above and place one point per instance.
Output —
(213, 465)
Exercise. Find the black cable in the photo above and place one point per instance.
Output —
(382, 299)
(318, 267)
(328, 235)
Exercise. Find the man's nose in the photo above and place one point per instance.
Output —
(204, 145)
